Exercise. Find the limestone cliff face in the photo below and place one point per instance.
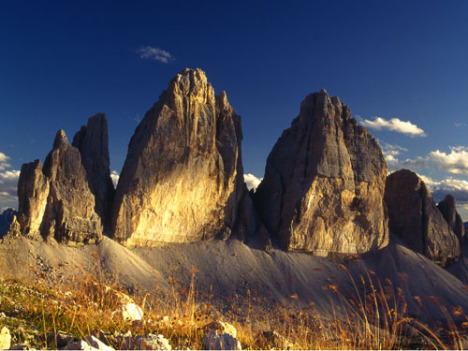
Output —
(70, 214)
(33, 191)
(414, 217)
(324, 183)
(182, 178)
(448, 209)
(92, 141)
(55, 201)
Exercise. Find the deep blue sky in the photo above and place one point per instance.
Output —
(63, 61)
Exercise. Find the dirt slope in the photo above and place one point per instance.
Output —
(234, 268)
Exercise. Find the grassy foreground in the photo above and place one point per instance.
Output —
(374, 316)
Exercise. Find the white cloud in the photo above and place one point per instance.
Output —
(252, 181)
(418, 162)
(391, 153)
(460, 124)
(8, 188)
(392, 149)
(395, 125)
(455, 162)
(392, 162)
(4, 161)
(115, 178)
(154, 53)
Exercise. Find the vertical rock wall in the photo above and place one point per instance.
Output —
(324, 183)
(182, 179)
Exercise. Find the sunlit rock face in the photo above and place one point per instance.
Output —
(68, 199)
(33, 191)
(324, 183)
(182, 178)
(415, 218)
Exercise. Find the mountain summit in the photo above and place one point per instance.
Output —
(182, 179)
(324, 183)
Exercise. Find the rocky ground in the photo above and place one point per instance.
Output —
(51, 288)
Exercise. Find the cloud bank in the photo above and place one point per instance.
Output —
(154, 53)
(395, 125)
(8, 183)
(252, 181)
(392, 152)
(8, 188)
(455, 162)
(4, 161)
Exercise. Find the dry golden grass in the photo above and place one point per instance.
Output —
(373, 316)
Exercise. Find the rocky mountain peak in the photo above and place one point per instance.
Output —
(191, 84)
(6, 219)
(324, 182)
(182, 179)
(60, 139)
(56, 201)
(222, 102)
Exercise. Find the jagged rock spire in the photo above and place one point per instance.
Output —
(56, 201)
(414, 218)
(93, 142)
(448, 208)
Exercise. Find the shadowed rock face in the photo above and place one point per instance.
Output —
(56, 201)
(448, 209)
(182, 178)
(324, 183)
(6, 219)
(92, 141)
(414, 217)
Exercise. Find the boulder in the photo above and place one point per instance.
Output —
(415, 218)
(448, 208)
(60, 340)
(182, 179)
(151, 342)
(5, 339)
(92, 140)
(324, 183)
(90, 343)
(221, 336)
(274, 340)
(55, 201)
(131, 312)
